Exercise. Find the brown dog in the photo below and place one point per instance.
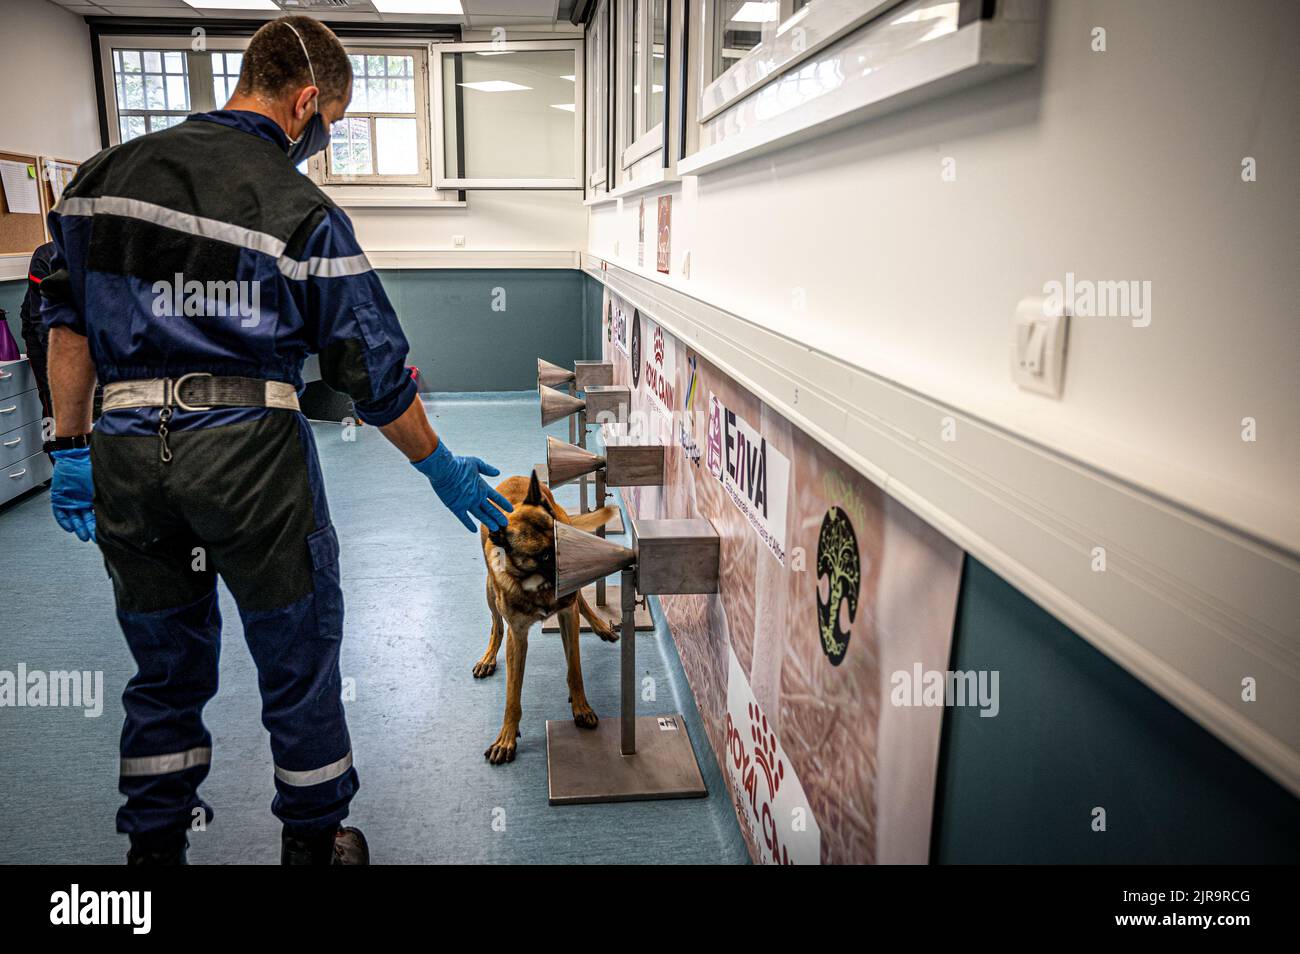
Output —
(521, 591)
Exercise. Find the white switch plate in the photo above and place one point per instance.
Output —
(458, 241)
(1038, 338)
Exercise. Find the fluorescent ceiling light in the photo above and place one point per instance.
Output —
(571, 78)
(233, 5)
(757, 11)
(494, 86)
(493, 52)
(568, 107)
(451, 7)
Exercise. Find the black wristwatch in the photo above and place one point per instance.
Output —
(67, 443)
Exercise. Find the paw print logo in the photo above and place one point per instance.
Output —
(659, 346)
(765, 756)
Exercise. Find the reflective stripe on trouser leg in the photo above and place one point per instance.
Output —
(296, 650)
(166, 750)
(302, 708)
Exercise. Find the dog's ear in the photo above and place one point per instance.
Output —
(534, 498)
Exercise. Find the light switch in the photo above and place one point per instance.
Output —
(458, 241)
(1039, 332)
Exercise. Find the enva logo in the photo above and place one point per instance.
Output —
(839, 577)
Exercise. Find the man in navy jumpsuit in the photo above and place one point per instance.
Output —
(201, 463)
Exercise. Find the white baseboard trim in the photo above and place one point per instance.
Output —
(1188, 606)
(474, 258)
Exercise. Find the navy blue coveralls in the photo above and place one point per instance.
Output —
(211, 201)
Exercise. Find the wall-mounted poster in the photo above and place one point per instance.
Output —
(829, 591)
(664, 248)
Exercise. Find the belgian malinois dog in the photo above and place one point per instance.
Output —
(521, 591)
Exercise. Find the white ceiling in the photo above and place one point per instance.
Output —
(478, 15)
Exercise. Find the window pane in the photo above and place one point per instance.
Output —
(350, 147)
(396, 147)
(742, 28)
(178, 94)
(234, 63)
(164, 122)
(131, 61)
(175, 61)
(152, 61)
(658, 66)
(516, 115)
(153, 92)
(131, 127)
(634, 70)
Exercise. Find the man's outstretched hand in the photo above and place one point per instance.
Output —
(459, 484)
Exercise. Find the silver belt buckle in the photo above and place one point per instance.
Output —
(176, 391)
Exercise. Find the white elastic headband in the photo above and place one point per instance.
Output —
(304, 53)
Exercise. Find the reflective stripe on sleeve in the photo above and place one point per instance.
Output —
(325, 267)
(325, 773)
(165, 764)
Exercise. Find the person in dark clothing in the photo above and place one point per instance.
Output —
(195, 270)
(35, 335)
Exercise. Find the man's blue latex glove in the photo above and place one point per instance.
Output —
(72, 492)
(457, 482)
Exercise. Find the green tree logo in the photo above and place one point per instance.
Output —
(839, 562)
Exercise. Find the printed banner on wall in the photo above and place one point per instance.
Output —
(828, 589)
(755, 474)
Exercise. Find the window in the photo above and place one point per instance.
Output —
(152, 90)
(644, 70)
(225, 76)
(598, 102)
(791, 69)
(383, 137)
(508, 115)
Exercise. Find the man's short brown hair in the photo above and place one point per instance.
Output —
(274, 62)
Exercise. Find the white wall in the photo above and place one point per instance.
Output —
(498, 221)
(1117, 165)
(47, 85)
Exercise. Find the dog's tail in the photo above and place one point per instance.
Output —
(594, 520)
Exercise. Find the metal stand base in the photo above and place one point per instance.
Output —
(587, 765)
(610, 611)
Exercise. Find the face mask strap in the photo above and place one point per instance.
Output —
(309, 66)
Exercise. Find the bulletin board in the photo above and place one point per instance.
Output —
(21, 232)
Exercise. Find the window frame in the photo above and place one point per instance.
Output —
(821, 24)
(319, 165)
(442, 181)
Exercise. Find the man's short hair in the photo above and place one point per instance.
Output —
(274, 62)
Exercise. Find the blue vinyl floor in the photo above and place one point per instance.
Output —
(416, 622)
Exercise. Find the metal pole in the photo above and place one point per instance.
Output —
(573, 424)
(582, 442)
(627, 658)
(600, 531)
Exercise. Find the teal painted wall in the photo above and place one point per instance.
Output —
(1075, 731)
(458, 340)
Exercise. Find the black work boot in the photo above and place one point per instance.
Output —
(158, 848)
(340, 846)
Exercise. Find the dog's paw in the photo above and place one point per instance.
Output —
(484, 668)
(584, 716)
(606, 632)
(503, 749)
